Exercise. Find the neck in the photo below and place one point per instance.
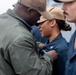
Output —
(54, 35)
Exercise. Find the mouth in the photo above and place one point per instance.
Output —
(65, 13)
(40, 31)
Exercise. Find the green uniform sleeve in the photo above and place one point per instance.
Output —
(25, 60)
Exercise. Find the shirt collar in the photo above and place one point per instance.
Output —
(13, 14)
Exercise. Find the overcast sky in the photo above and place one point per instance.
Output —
(5, 4)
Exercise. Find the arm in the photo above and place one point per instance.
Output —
(40, 45)
(25, 60)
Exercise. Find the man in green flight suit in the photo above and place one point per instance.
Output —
(18, 48)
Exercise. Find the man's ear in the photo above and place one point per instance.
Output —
(29, 11)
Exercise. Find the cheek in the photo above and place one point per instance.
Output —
(72, 15)
(72, 11)
(45, 32)
(35, 16)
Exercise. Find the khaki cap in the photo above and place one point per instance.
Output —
(64, 1)
(56, 12)
(38, 5)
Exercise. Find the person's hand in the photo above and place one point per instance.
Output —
(41, 45)
(53, 54)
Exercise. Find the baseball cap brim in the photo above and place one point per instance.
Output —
(46, 15)
(42, 19)
(63, 1)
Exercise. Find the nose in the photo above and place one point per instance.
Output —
(39, 26)
(64, 6)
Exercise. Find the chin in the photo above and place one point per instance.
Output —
(69, 20)
(42, 36)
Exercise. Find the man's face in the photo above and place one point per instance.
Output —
(70, 11)
(34, 16)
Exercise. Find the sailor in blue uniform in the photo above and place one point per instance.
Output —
(71, 62)
(60, 45)
(52, 31)
(69, 8)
